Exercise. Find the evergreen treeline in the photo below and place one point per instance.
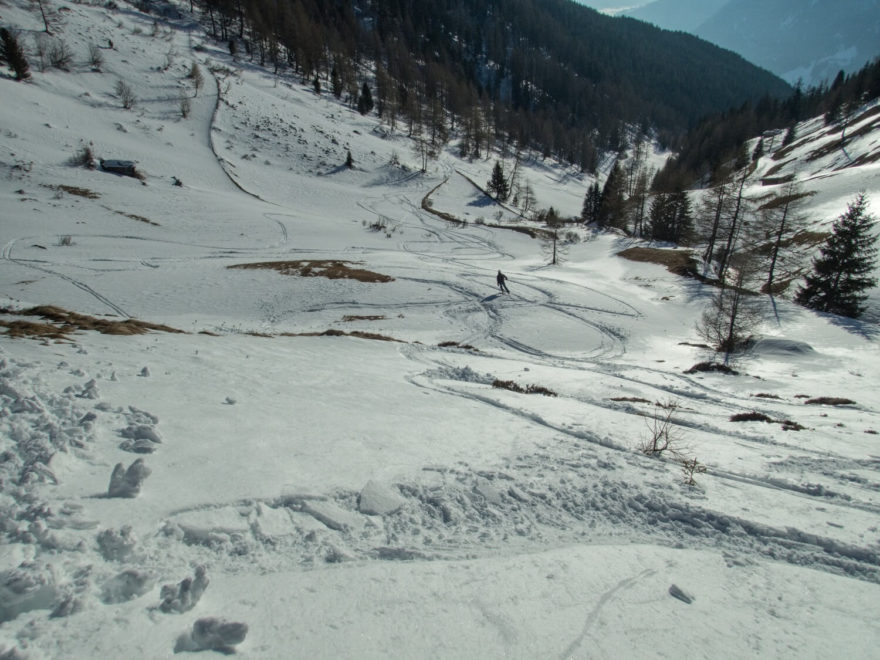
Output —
(547, 75)
(719, 139)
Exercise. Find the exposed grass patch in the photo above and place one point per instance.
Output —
(712, 366)
(61, 323)
(680, 262)
(77, 192)
(455, 344)
(830, 401)
(139, 218)
(329, 268)
(339, 333)
(630, 399)
(528, 389)
(348, 318)
(753, 416)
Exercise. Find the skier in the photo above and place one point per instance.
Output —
(500, 278)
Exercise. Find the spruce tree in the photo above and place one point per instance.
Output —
(365, 100)
(12, 53)
(590, 210)
(842, 272)
(498, 183)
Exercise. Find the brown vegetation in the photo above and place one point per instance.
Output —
(680, 262)
(528, 389)
(348, 318)
(712, 366)
(830, 401)
(61, 323)
(329, 268)
(78, 192)
(340, 333)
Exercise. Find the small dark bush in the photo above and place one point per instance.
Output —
(753, 416)
(519, 389)
(712, 366)
(830, 401)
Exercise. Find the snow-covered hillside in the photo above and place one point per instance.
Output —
(401, 462)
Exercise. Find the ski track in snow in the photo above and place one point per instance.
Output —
(586, 489)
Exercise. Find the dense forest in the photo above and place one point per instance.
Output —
(544, 75)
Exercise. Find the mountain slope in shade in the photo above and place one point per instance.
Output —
(685, 15)
(797, 40)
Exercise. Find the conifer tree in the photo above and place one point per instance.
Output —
(365, 100)
(590, 210)
(842, 272)
(611, 204)
(498, 183)
(12, 53)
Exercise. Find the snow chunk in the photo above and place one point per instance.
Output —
(377, 499)
(125, 586)
(333, 516)
(184, 596)
(212, 634)
(24, 589)
(127, 483)
(676, 592)
(117, 546)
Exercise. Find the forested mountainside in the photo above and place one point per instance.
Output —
(797, 40)
(549, 75)
(720, 138)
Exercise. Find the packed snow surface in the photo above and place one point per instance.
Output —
(450, 472)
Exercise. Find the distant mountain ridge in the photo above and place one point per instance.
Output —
(795, 39)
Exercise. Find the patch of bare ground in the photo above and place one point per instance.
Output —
(765, 395)
(339, 333)
(519, 389)
(60, 324)
(455, 344)
(329, 268)
(710, 367)
(830, 401)
(755, 416)
(680, 262)
(139, 218)
(76, 191)
(630, 399)
(349, 318)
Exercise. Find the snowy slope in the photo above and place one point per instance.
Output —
(352, 497)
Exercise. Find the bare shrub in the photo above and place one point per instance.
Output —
(690, 467)
(60, 55)
(65, 241)
(42, 42)
(195, 74)
(185, 104)
(96, 57)
(662, 434)
(84, 157)
(126, 94)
